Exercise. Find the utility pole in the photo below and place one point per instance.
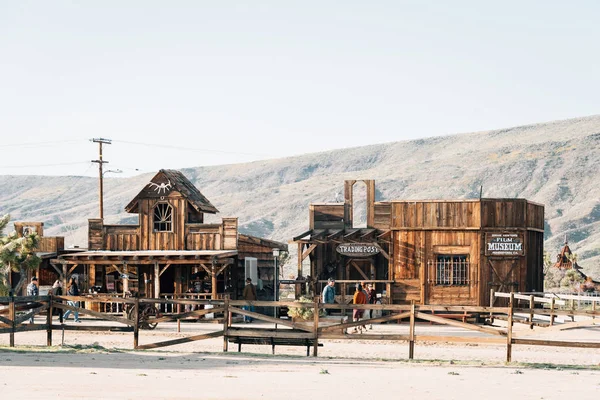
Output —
(100, 162)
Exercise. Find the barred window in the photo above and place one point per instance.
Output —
(452, 270)
(163, 218)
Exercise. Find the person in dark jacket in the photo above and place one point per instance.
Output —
(72, 291)
(57, 291)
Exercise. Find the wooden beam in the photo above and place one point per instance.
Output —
(156, 280)
(307, 252)
(72, 269)
(303, 234)
(222, 269)
(164, 269)
(382, 251)
(180, 341)
(57, 270)
(208, 271)
(355, 265)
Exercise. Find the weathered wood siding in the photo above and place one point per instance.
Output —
(230, 233)
(173, 240)
(326, 216)
(435, 214)
(452, 243)
(121, 237)
(204, 237)
(95, 234)
(383, 215)
(51, 244)
(501, 213)
(535, 216)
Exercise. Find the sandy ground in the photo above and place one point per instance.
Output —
(102, 365)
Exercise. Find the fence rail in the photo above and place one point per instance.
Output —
(305, 333)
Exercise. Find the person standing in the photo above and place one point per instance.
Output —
(329, 293)
(72, 291)
(249, 294)
(359, 298)
(32, 290)
(57, 291)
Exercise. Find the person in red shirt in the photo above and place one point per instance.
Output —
(359, 298)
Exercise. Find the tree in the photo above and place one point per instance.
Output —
(17, 254)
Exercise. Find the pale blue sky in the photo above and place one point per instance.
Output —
(250, 80)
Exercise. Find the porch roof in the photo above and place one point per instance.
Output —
(346, 235)
(147, 257)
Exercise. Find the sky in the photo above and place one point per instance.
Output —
(196, 83)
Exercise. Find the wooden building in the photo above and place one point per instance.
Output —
(430, 251)
(170, 250)
(48, 248)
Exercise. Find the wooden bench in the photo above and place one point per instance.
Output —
(273, 341)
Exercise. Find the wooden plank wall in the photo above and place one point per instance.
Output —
(95, 234)
(51, 244)
(504, 213)
(436, 214)
(383, 215)
(535, 216)
(326, 216)
(230, 233)
(174, 240)
(535, 262)
(454, 242)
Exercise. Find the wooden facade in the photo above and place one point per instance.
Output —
(430, 251)
(171, 250)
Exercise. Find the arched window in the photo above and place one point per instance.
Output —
(163, 218)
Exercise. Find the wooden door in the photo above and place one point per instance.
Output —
(503, 277)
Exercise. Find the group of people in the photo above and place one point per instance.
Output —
(73, 290)
(364, 294)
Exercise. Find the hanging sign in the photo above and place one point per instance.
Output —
(357, 249)
(504, 244)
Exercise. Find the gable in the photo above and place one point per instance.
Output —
(167, 183)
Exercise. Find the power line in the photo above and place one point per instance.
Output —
(43, 165)
(163, 146)
(40, 144)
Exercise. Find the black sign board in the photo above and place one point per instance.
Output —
(358, 249)
(504, 244)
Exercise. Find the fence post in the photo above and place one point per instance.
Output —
(136, 323)
(492, 299)
(552, 305)
(226, 317)
(509, 327)
(49, 322)
(531, 306)
(179, 311)
(316, 325)
(411, 338)
(11, 316)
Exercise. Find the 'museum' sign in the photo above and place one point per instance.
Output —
(504, 244)
(357, 249)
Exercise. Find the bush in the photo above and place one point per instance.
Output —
(304, 313)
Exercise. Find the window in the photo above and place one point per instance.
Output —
(163, 218)
(452, 270)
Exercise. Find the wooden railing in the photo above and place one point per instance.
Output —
(314, 330)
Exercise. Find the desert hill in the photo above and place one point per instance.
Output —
(555, 163)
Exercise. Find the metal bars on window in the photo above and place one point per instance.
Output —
(451, 270)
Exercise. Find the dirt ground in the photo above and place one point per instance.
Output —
(102, 365)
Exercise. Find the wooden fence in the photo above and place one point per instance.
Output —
(302, 333)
